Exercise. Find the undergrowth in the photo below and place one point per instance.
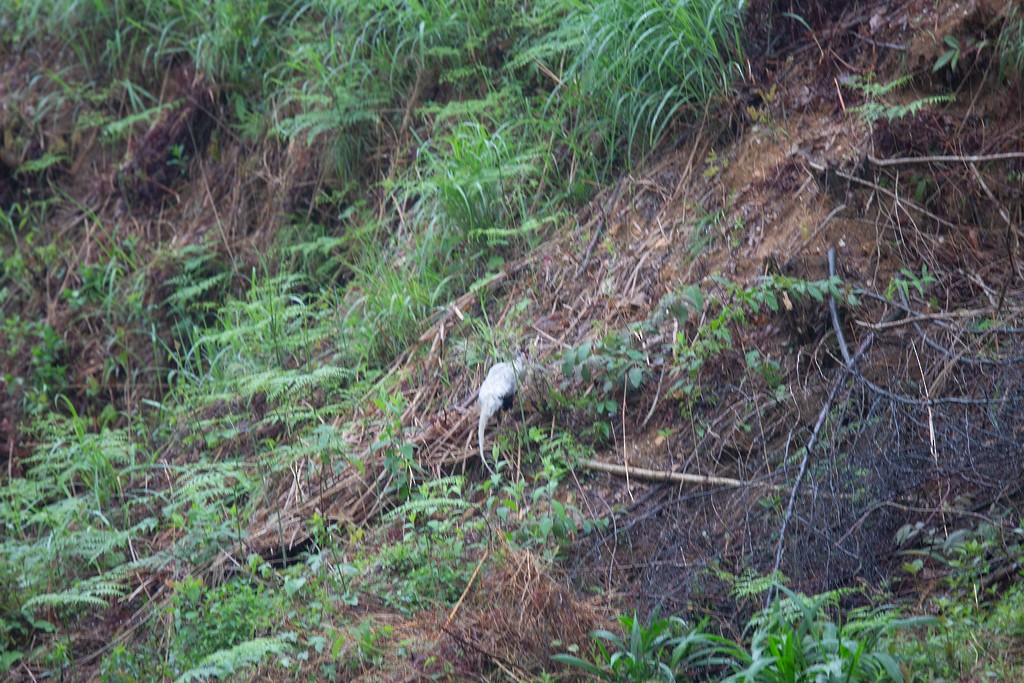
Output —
(181, 367)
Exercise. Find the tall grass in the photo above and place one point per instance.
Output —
(636, 66)
(1010, 45)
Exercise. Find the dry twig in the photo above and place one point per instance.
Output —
(660, 475)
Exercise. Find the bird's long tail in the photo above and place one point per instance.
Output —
(482, 429)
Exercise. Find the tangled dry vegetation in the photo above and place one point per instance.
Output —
(785, 341)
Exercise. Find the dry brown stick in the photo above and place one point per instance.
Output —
(657, 395)
(835, 314)
(625, 461)
(660, 475)
(945, 159)
(556, 342)
(924, 317)
(465, 591)
(459, 304)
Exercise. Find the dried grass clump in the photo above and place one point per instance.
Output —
(518, 616)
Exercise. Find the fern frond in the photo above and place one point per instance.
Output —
(278, 384)
(428, 506)
(95, 592)
(224, 663)
(204, 484)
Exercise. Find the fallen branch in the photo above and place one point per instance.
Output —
(835, 313)
(660, 475)
(945, 159)
(849, 369)
(803, 469)
(465, 591)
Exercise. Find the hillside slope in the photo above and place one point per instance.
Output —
(258, 258)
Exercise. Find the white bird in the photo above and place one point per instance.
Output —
(496, 394)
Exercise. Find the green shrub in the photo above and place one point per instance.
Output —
(208, 620)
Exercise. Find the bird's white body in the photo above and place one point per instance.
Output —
(496, 394)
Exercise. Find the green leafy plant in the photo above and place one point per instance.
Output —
(955, 50)
(969, 554)
(398, 453)
(428, 565)
(67, 529)
(951, 57)
(795, 640)
(733, 308)
(906, 280)
(229, 661)
(44, 377)
(767, 369)
(539, 519)
(615, 360)
(484, 180)
(875, 109)
(245, 608)
(657, 650)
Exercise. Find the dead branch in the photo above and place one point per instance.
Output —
(469, 584)
(849, 370)
(835, 314)
(945, 159)
(660, 475)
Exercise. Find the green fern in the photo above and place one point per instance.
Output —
(94, 592)
(200, 276)
(97, 543)
(118, 130)
(873, 109)
(202, 485)
(224, 663)
(430, 506)
(790, 606)
(294, 384)
(750, 584)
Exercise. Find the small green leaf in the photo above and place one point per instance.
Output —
(293, 585)
(583, 665)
